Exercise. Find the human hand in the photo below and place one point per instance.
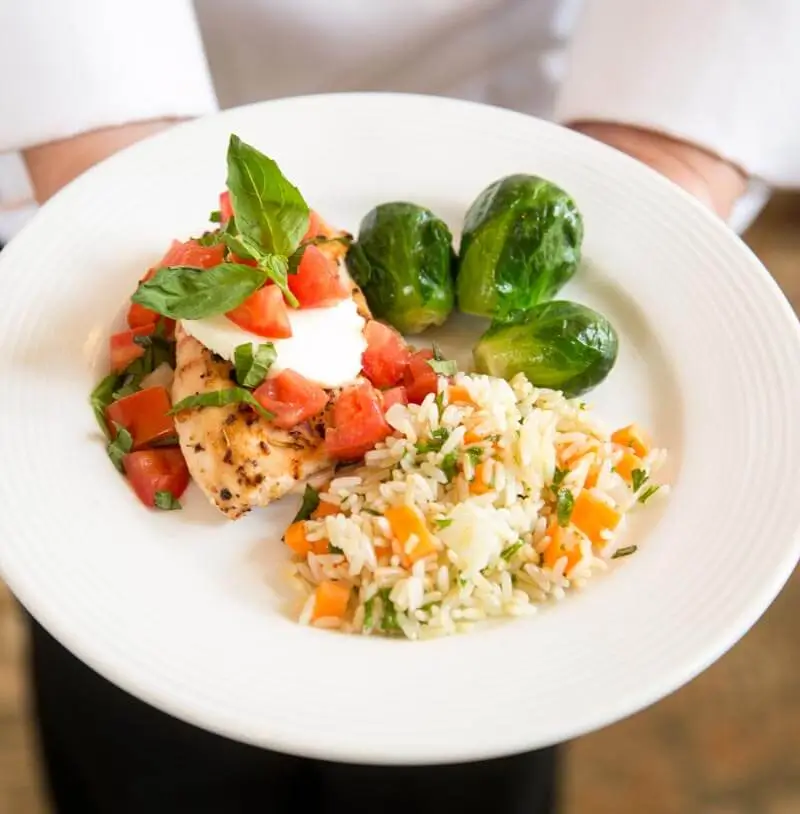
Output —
(53, 165)
(711, 179)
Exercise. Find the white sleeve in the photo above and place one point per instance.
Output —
(69, 66)
(724, 74)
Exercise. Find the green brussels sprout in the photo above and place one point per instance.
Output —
(403, 262)
(560, 345)
(521, 243)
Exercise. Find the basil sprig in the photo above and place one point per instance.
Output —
(183, 292)
(221, 398)
(252, 366)
(120, 446)
(166, 501)
(269, 210)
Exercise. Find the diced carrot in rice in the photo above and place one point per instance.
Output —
(569, 454)
(295, 538)
(594, 517)
(324, 509)
(632, 437)
(458, 394)
(330, 599)
(321, 547)
(480, 484)
(406, 522)
(627, 464)
(472, 437)
(557, 548)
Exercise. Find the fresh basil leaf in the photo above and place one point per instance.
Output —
(102, 396)
(444, 522)
(120, 446)
(638, 479)
(252, 367)
(565, 503)
(242, 246)
(558, 477)
(130, 384)
(215, 216)
(167, 502)
(507, 553)
(276, 268)
(182, 292)
(648, 493)
(309, 504)
(269, 210)
(624, 552)
(221, 398)
(444, 367)
(449, 465)
(210, 238)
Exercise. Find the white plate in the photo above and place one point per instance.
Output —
(186, 610)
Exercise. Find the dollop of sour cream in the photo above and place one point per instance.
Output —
(326, 344)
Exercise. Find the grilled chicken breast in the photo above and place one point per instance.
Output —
(239, 459)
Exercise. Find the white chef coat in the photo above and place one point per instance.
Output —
(721, 73)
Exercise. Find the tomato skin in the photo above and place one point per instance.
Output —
(291, 397)
(395, 395)
(316, 227)
(156, 470)
(190, 253)
(124, 350)
(419, 377)
(263, 313)
(386, 356)
(358, 423)
(225, 206)
(144, 415)
(317, 282)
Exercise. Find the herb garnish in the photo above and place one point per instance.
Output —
(101, 397)
(558, 477)
(434, 443)
(638, 479)
(444, 522)
(648, 493)
(507, 553)
(624, 552)
(252, 367)
(167, 502)
(120, 446)
(309, 504)
(389, 618)
(449, 465)
(221, 398)
(565, 502)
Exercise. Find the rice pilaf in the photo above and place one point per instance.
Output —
(488, 498)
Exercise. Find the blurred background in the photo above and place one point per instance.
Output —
(727, 743)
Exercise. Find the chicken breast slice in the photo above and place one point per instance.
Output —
(236, 457)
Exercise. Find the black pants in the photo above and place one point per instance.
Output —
(105, 752)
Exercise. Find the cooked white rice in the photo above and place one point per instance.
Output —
(477, 480)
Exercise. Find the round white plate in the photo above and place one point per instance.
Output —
(186, 610)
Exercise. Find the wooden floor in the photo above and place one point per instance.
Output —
(728, 743)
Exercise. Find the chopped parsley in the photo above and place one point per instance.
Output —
(638, 479)
(167, 502)
(373, 512)
(475, 454)
(443, 522)
(449, 465)
(215, 216)
(624, 552)
(565, 502)
(439, 401)
(509, 552)
(443, 367)
(434, 443)
(648, 493)
(558, 477)
(309, 504)
(389, 622)
(369, 607)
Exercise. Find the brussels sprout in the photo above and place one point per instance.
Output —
(521, 242)
(560, 345)
(403, 261)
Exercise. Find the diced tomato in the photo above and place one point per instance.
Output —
(263, 313)
(317, 282)
(145, 415)
(225, 206)
(190, 253)
(419, 377)
(292, 398)
(358, 423)
(124, 350)
(386, 355)
(396, 395)
(156, 470)
(316, 226)
(141, 317)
